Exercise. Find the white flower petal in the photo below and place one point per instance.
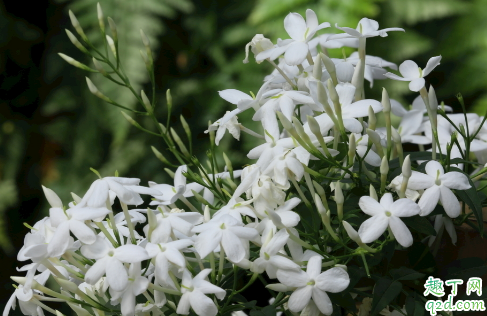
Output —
(400, 231)
(370, 206)
(455, 180)
(416, 84)
(404, 208)
(300, 298)
(322, 301)
(295, 26)
(373, 228)
(432, 63)
(234, 96)
(450, 202)
(409, 69)
(429, 200)
(296, 53)
(117, 276)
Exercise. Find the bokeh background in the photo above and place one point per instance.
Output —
(52, 130)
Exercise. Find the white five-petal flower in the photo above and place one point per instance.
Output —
(385, 214)
(313, 284)
(411, 72)
(438, 185)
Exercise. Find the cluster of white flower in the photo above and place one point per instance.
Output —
(323, 148)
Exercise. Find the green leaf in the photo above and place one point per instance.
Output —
(466, 268)
(385, 291)
(420, 224)
(414, 307)
(472, 199)
(266, 311)
(405, 274)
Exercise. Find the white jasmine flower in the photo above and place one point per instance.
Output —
(438, 185)
(175, 220)
(137, 285)
(226, 231)
(72, 220)
(126, 189)
(270, 260)
(169, 194)
(411, 72)
(313, 285)
(350, 110)
(365, 28)
(283, 167)
(164, 254)
(227, 122)
(385, 214)
(109, 261)
(26, 298)
(296, 49)
(194, 290)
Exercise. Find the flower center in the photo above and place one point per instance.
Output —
(266, 256)
(111, 253)
(388, 214)
(222, 226)
(312, 282)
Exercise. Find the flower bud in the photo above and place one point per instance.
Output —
(146, 42)
(100, 17)
(330, 67)
(113, 28)
(94, 90)
(160, 156)
(373, 193)
(386, 102)
(372, 119)
(77, 26)
(352, 146)
(406, 167)
(358, 79)
(278, 287)
(99, 67)
(66, 285)
(384, 166)
(75, 42)
(206, 214)
(317, 68)
(334, 96)
(111, 44)
(375, 138)
(352, 233)
(180, 144)
(146, 102)
(339, 199)
(76, 63)
(169, 101)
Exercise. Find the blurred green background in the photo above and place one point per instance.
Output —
(52, 130)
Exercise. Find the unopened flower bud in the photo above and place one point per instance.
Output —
(352, 146)
(386, 102)
(111, 44)
(75, 42)
(160, 156)
(100, 17)
(372, 119)
(77, 26)
(206, 214)
(334, 96)
(99, 67)
(373, 193)
(358, 80)
(352, 233)
(406, 167)
(317, 68)
(375, 138)
(113, 28)
(67, 285)
(146, 102)
(94, 90)
(76, 63)
(384, 166)
(330, 67)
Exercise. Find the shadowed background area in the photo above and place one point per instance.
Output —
(52, 129)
